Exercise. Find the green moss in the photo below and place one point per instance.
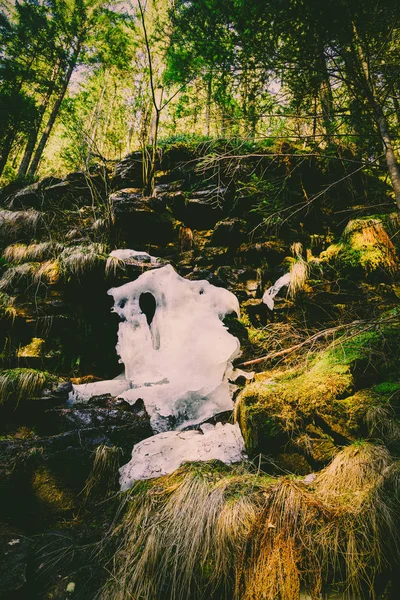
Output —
(331, 393)
(387, 388)
(365, 249)
(50, 493)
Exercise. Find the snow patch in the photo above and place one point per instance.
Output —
(270, 293)
(166, 452)
(136, 255)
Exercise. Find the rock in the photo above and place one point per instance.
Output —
(141, 220)
(292, 462)
(14, 551)
(271, 253)
(213, 256)
(176, 202)
(204, 274)
(128, 172)
(121, 427)
(28, 197)
(222, 417)
(76, 189)
(201, 213)
(230, 232)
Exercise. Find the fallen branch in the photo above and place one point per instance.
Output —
(309, 340)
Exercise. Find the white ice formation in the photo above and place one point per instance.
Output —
(271, 292)
(127, 255)
(165, 452)
(178, 357)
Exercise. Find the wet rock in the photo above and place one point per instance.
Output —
(204, 274)
(222, 417)
(121, 427)
(14, 551)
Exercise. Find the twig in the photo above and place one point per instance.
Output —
(309, 340)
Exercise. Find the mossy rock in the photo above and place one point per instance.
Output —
(364, 250)
(50, 493)
(329, 400)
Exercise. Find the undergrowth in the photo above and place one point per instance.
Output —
(211, 531)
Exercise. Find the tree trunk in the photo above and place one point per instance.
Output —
(363, 76)
(208, 105)
(149, 184)
(392, 164)
(6, 149)
(33, 135)
(326, 98)
(314, 131)
(54, 113)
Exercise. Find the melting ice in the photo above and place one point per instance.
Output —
(177, 355)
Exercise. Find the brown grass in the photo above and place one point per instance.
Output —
(114, 265)
(81, 259)
(19, 253)
(209, 531)
(104, 473)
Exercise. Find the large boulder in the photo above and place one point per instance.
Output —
(229, 232)
(201, 213)
(77, 189)
(128, 172)
(141, 220)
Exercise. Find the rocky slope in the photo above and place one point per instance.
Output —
(330, 381)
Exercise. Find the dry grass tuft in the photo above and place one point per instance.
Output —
(355, 469)
(19, 278)
(19, 384)
(297, 250)
(104, 473)
(114, 265)
(49, 272)
(209, 531)
(19, 253)
(30, 276)
(184, 533)
(299, 273)
(299, 270)
(81, 259)
(14, 224)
